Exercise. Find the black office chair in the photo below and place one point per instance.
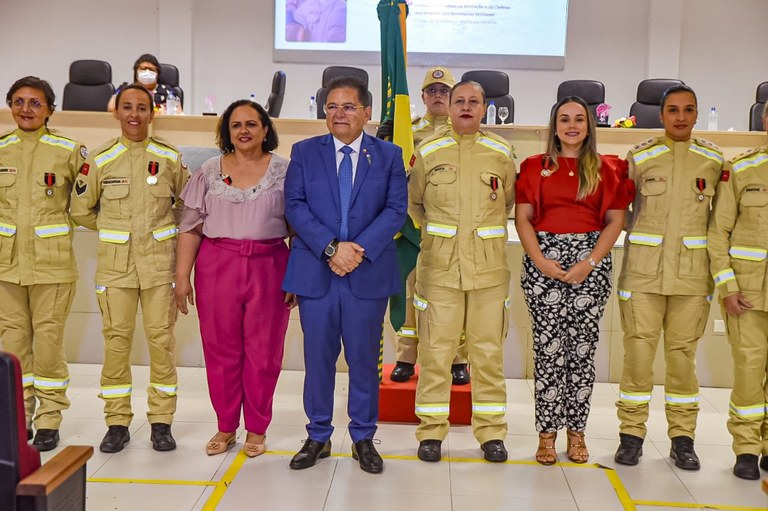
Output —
(591, 91)
(90, 86)
(648, 105)
(169, 75)
(276, 95)
(496, 86)
(333, 72)
(756, 111)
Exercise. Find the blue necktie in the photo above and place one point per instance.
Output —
(345, 190)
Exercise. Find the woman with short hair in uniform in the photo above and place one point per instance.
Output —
(570, 210)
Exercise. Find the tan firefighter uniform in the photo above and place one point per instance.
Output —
(37, 263)
(738, 244)
(407, 341)
(129, 192)
(664, 281)
(461, 192)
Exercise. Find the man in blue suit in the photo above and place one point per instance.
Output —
(346, 198)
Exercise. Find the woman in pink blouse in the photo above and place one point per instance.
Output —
(233, 230)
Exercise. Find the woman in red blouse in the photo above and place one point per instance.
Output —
(571, 203)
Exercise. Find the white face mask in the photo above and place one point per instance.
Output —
(147, 77)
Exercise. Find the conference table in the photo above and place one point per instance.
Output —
(83, 335)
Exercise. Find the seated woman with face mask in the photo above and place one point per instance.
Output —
(146, 71)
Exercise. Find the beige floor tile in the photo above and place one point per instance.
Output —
(239, 498)
(407, 476)
(499, 503)
(139, 463)
(146, 497)
(342, 500)
(272, 471)
(508, 480)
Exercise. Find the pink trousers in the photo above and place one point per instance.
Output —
(243, 321)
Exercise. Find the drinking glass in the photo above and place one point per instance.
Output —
(503, 113)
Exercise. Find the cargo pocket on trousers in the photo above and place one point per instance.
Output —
(625, 312)
(505, 325)
(101, 298)
(421, 306)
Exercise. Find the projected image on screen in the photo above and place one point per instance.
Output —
(317, 21)
(498, 33)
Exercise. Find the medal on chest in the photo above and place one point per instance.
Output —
(494, 187)
(49, 178)
(152, 168)
(701, 185)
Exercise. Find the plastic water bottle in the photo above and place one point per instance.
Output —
(490, 114)
(712, 120)
(171, 103)
(312, 108)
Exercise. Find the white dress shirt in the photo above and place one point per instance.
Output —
(355, 154)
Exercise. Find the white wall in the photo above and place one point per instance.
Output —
(224, 48)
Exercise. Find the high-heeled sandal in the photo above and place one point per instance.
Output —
(216, 446)
(546, 453)
(253, 449)
(577, 449)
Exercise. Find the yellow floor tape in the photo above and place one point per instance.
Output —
(222, 485)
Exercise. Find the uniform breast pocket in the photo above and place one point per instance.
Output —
(654, 198)
(441, 190)
(8, 193)
(54, 197)
(698, 203)
(115, 201)
(490, 193)
(752, 205)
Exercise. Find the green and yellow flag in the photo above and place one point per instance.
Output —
(396, 108)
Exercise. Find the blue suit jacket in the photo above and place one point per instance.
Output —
(377, 211)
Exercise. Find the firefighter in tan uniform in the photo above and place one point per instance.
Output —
(37, 263)
(129, 191)
(664, 281)
(738, 248)
(461, 192)
(435, 90)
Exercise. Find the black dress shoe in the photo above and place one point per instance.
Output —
(746, 467)
(430, 450)
(115, 439)
(309, 453)
(30, 434)
(630, 449)
(764, 462)
(494, 451)
(365, 453)
(162, 439)
(402, 372)
(459, 374)
(46, 439)
(683, 454)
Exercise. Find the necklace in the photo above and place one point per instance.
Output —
(570, 169)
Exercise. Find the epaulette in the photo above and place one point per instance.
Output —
(420, 123)
(708, 144)
(9, 138)
(748, 152)
(6, 133)
(749, 159)
(163, 149)
(646, 144)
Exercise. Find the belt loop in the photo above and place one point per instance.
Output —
(246, 247)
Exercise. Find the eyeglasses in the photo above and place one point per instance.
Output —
(434, 91)
(33, 103)
(348, 108)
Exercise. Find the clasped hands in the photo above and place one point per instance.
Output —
(575, 275)
(348, 256)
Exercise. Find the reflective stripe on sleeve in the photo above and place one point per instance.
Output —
(706, 153)
(494, 145)
(747, 253)
(100, 290)
(114, 391)
(494, 231)
(51, 231)
(635, 397)
(724, 276)
(118, 237)
(407, 331)
(433, 409)
(745, 163)
(641, 238)
(51, 383)
(436, 144)
(27, 379)
(7, 230)
(165, 233)
(649, 154)
(163, 152)
(488, 408)
(444, 231)
(58, 142)
(680, 399)
(624, 295)
(748, 412)
(694, 242)
(419, 302)
(168, 389)
(110, 154)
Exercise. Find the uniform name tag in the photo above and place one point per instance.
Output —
(655, 179)
(8, 170)
(116, 181)
(756, 189)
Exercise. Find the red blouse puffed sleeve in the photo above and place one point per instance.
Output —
(619, 190)
(523, 184)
